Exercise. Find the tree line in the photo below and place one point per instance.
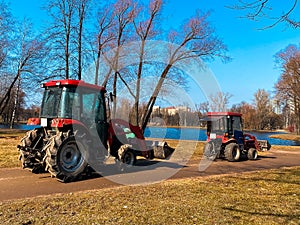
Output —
(81, 34)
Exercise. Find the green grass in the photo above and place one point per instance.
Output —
(267, 197)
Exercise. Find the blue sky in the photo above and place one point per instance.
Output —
(252, 50)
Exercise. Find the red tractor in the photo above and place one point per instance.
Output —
(226, 139)
(75, 135)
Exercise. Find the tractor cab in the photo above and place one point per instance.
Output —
(224, 126)
(74, 103)
(73, 99)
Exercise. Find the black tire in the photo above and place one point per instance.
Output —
(252, 154)
(33, 139)
(126, 156)
(209, 151)
(66, 157)
(232, 152)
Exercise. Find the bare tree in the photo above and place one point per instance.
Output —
(124, 12)
(196, 39)
(263, 109)
(288, 85)
(82, 7)
(144, 30)
(26, 55)
(267, 9)
(105, 35)
(202, 108)
(219, 102)
(60, 32)
(6, 24)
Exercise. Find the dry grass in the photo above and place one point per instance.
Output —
(285, 148)
(9, 139)
(267, 197)
(292, 137)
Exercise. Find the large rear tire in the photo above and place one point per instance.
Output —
(232, 152)
(66, 157)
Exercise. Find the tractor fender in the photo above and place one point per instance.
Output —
(228, 141)
(121, 128)
(70, 124)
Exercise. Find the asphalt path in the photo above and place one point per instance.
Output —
(17, 183)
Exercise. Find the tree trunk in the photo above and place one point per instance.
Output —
(149, 107)
(15, 104)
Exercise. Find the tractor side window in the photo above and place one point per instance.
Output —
(100, 108)
(88, 100)
(236, 123)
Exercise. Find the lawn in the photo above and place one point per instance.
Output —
(266, 197)
(9, 139)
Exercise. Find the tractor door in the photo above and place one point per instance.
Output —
(101, 118)
(237, 129)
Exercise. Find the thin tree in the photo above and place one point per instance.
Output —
(219, 102)
(82, 7)
(263, 109)
(60, 32)
(124, 11)
(288, 85)
(196, 39)
(26, 55)
(105, 35)
(144, 30)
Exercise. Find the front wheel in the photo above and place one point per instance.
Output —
(30, 148)
(252, 154)
(232, 152)
(210, 151)
(126, 156)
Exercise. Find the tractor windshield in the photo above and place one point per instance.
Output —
(224, 124)
(74, 103)
(217, 125)
(51, 101)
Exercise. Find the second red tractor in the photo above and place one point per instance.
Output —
(226, 139)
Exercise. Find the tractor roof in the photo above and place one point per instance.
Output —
(210, 114)
(214, 116)
(76, 83)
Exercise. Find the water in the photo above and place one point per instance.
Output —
(19, 126)
(194, 134)
(200, 135)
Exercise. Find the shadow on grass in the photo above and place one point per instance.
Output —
(287, 217)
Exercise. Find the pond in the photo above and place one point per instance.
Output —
(194, 134)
